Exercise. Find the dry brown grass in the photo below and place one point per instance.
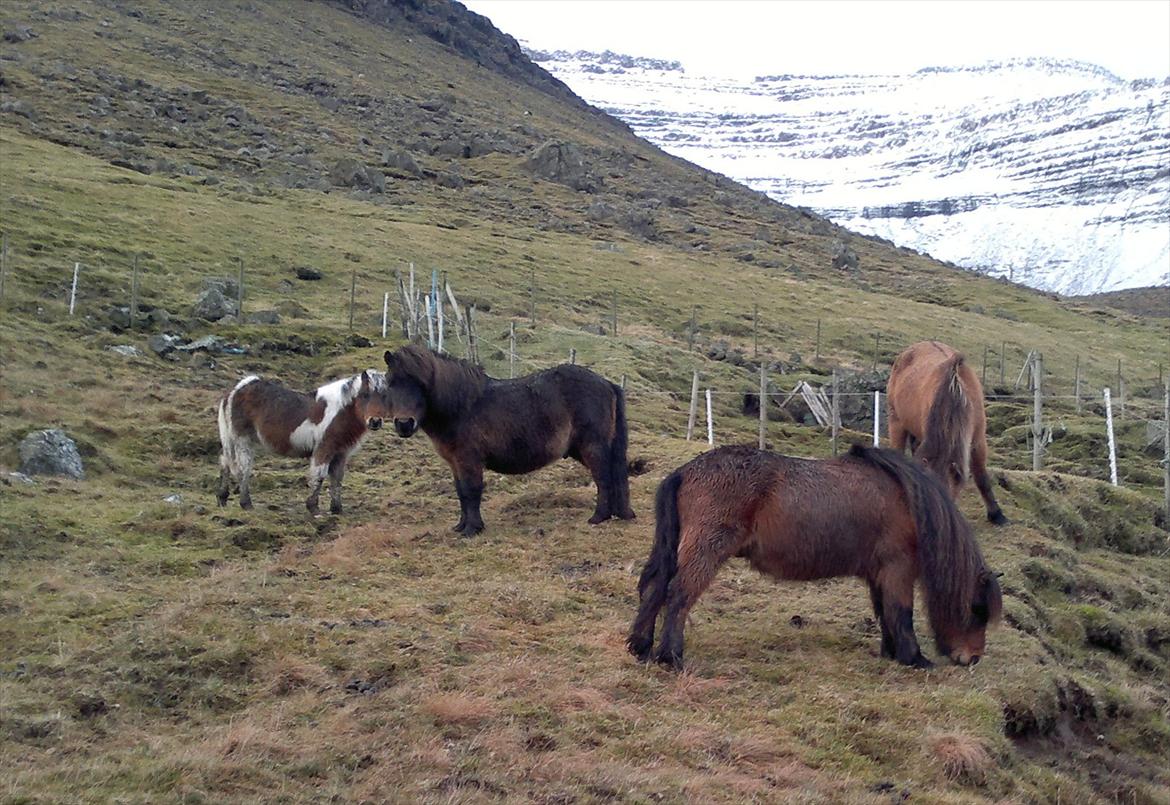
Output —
(457, 708)
(963, 759)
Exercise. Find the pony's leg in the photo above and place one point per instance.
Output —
(875, 597)
(469, 487)
(225, 478)
(898, 432)
(896, 582)
(318, 469)
(336, 474)
(244, 467)
(595, 456)
(983, 483)
(699, 559)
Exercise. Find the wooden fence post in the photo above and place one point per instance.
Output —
(352, 295)
(240, 292)
(1166, 448)
(983, 379)
(877, 418)
(3, 262)
(134, 293)
(615, 316)
(572, 355)
(512, 348)
(694, 405)
(763, 402)
(710, 422)
(1037, 412)
(1112, 442)
(472, 337)
(385, 312)
(756, 335)
(73, 290)
(835, 413)
(623, 382)
(1077, 384)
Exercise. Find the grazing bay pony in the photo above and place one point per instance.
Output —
(326, 427)
(935, 403)
(870, 514)
(511, 426)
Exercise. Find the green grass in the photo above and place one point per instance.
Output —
(156, 651)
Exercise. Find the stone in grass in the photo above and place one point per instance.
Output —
(50, 452)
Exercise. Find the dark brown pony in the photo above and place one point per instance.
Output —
(871, 514)
(935, 403)
(325, 427)
(511, 426)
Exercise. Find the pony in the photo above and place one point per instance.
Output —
(326, 427)
(511, 426)
(871, 514)
(934, 403)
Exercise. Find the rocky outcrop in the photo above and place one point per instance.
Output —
(50, 452)
(564, 163)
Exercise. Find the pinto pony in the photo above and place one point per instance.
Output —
(326, 427)
(935, 403)
(871, 514)
(511, 426)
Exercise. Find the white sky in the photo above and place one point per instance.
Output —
(1131, 38)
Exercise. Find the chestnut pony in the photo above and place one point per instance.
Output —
(511, 426)
(326, 427)
(935, 404)
(870, 514)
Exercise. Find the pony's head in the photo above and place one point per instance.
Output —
(964, 641)
(370, 403)
(404, 396)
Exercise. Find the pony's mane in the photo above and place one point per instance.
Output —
(450, 383)
(344, 391)
(947, 439)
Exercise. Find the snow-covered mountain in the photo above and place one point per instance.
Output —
(1053, 173)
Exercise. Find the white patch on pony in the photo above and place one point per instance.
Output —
(336, 396)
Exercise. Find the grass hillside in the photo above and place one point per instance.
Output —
(161, 650)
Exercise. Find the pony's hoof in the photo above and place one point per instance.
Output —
(598, 518)
(628, 514)
(672, 661)
(246, 505)
(311, 506)
(335, 508)
(997, 517)
(471, 530)
(640, 647)
(921, 662)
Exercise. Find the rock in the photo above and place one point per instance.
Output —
(50, 452)
(600, 211)
(263, 317)
(162, 344)
(593, 329)
(18, 477)
(228, 286)
(562, 162)
(356, 340)
(349, 172)
(126, 350)
(21, 33)
(450, 179)
(17, 108)
(208, 343)
(640, 223)
(440, 104)
(174, 499)
(845, 258)
(401, 161)
(212, 306)
(119, 317)
(308, 273)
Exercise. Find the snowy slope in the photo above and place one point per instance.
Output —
(1056, 174)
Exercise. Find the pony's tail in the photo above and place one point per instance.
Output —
(227, 437)
(946, 445)
(619, 471)
(948, 556)
(660, 568)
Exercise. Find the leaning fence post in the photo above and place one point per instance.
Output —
(1112, 443)
(710, 422)
(512, 349)
(3, 262)
(430, 322)
(134, 294)
(877, 418)
(763, 402)
(385, 312)
(73, 290)
(240, 292)
(623, 382)
(532, 295)
(472, 338)
(437, 291)
(694, 405)
(1077, 384)
(1166, 448)
(1037, 412)
(835, 415)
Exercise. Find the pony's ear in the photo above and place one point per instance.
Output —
(365, 380)
(388, 356)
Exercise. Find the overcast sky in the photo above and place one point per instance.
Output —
(1131, 38)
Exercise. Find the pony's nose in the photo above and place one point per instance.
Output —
(405, 427)
(974, 661)
(375, 423)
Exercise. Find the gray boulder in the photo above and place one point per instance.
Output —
(349, 172)
(401, 161)
(213, 306)
(162, 344)
(50, 452)
(563, 163)
(844, 258)
(262, 317)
